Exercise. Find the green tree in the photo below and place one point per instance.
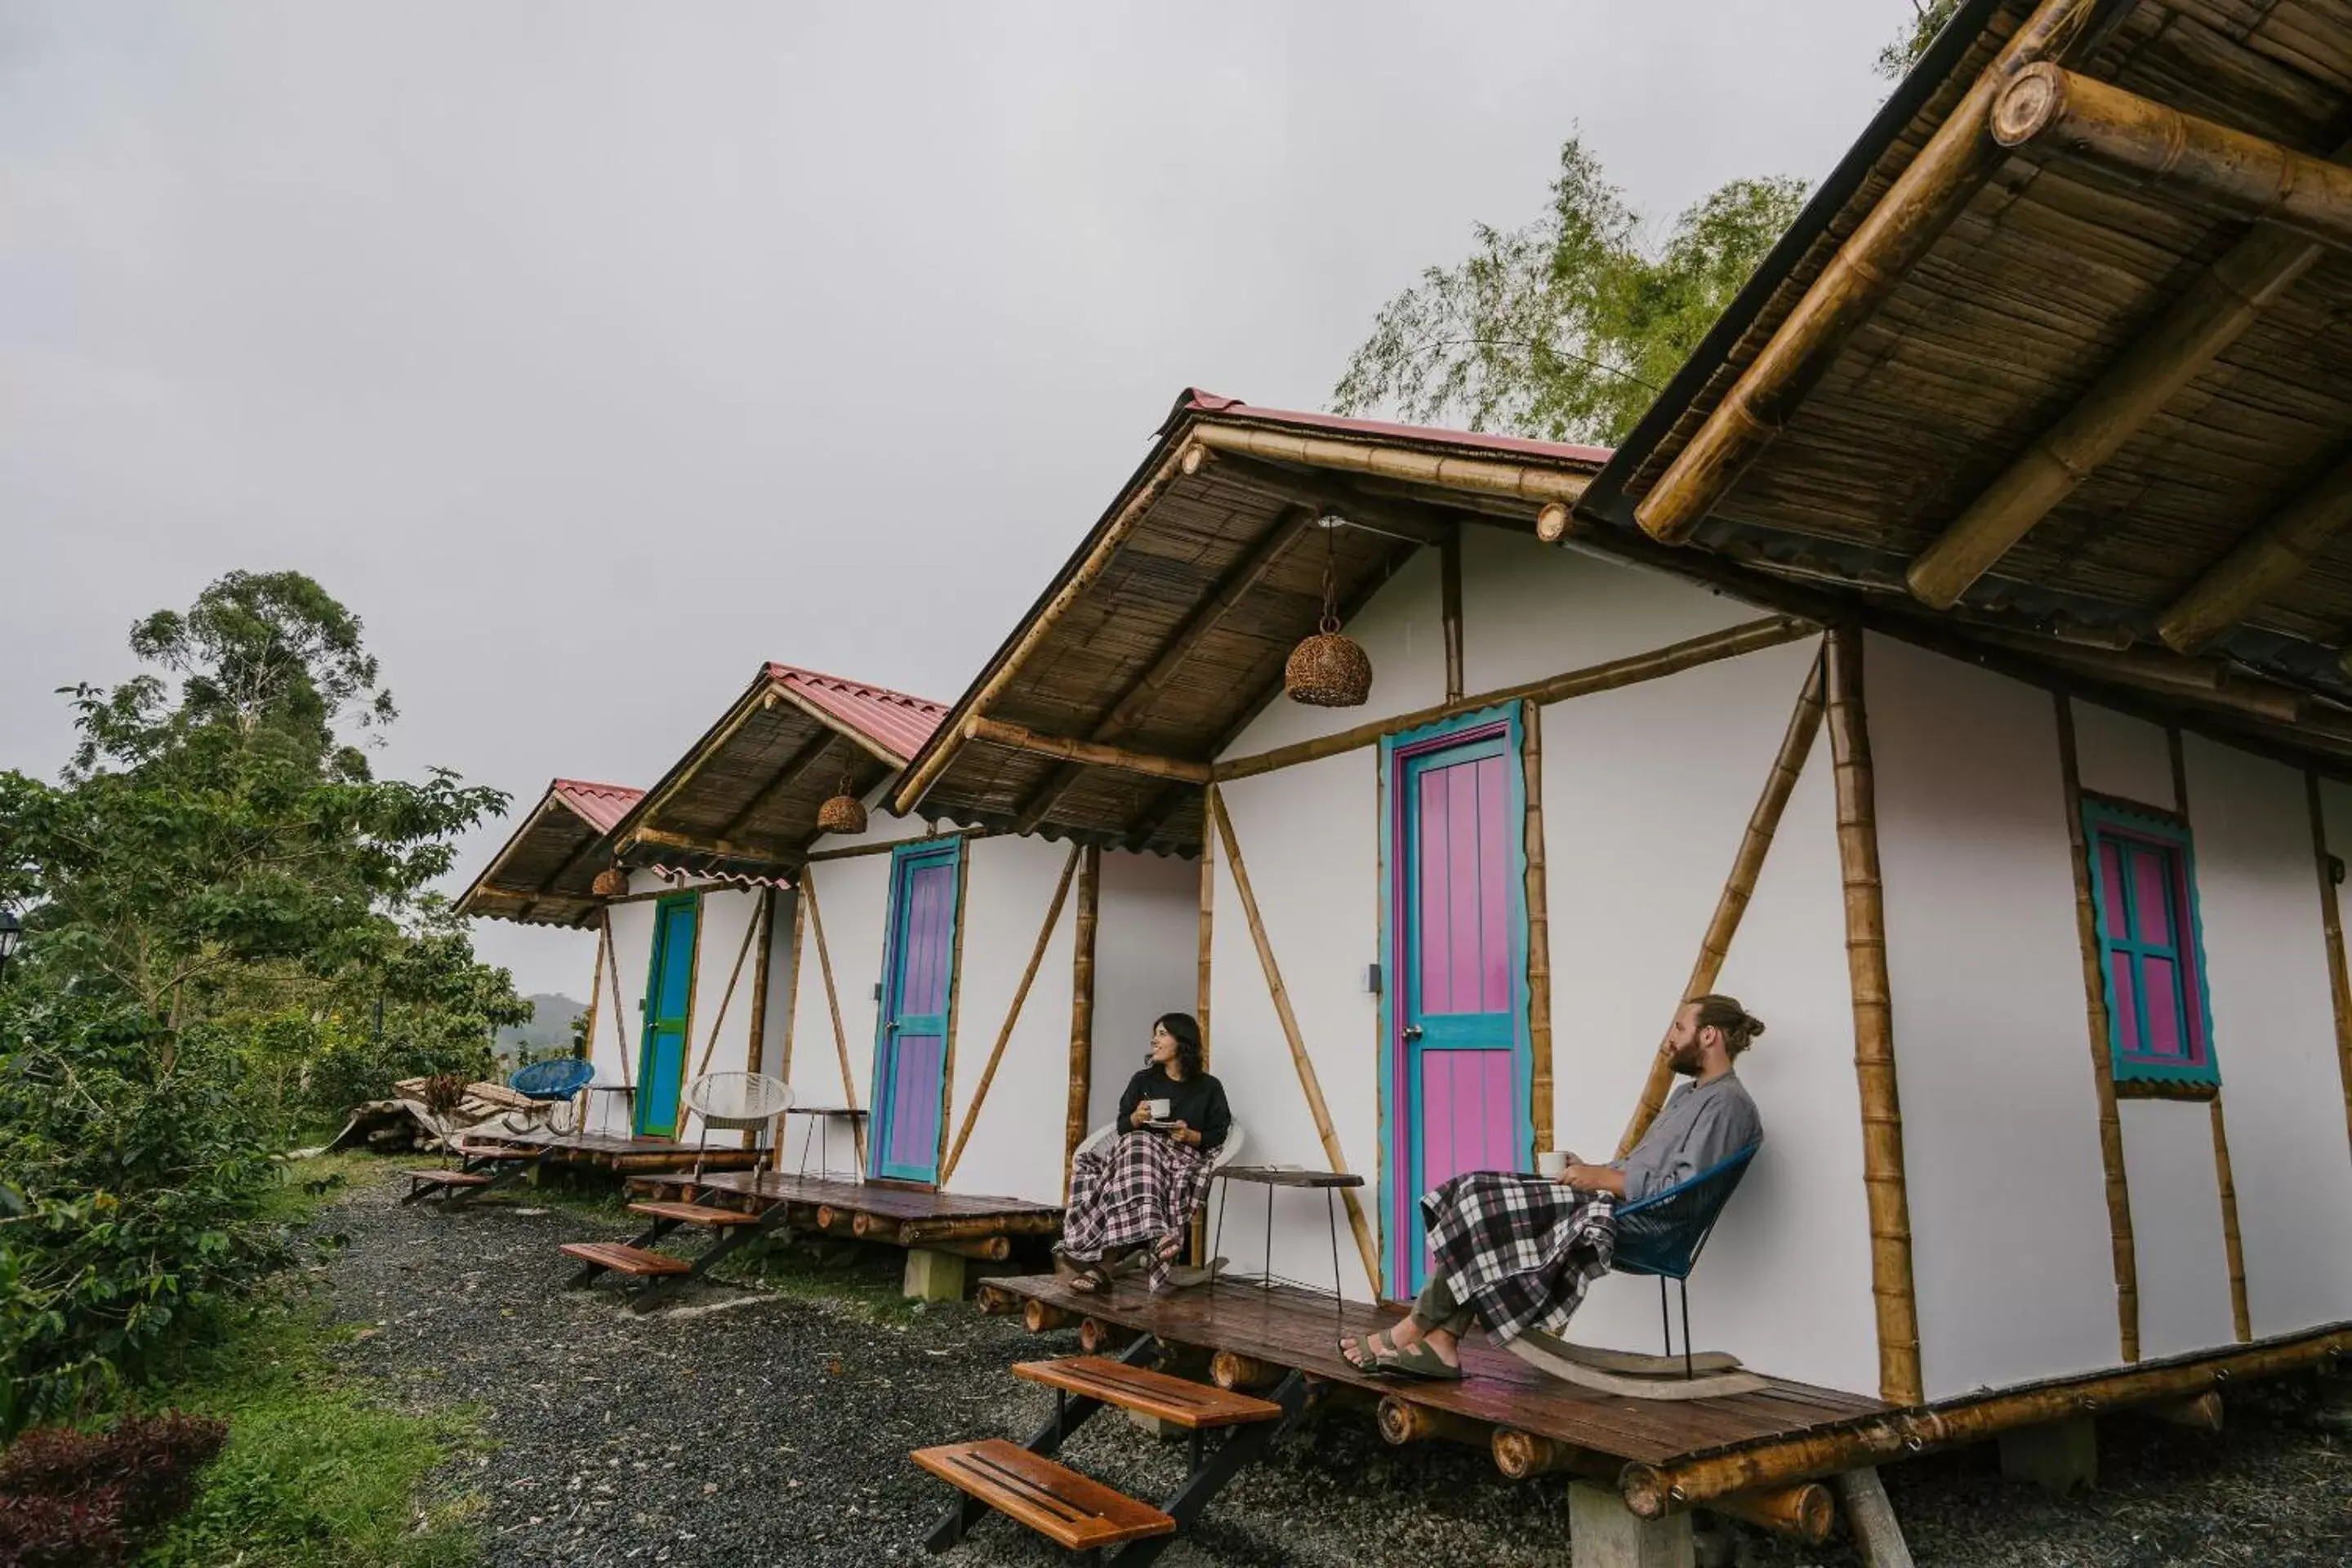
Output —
(1903, 51)
(1565, 329)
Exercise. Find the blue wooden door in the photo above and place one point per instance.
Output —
(910, 1046)
(669, 999)
(1457, 911)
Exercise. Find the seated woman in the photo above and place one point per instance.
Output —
(1145, 1188)
(1513, 1253)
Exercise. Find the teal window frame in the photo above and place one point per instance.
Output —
(2141, 829)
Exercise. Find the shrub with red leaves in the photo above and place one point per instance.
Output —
(84, 1499)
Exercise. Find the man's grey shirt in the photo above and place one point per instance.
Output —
(1702, 1125)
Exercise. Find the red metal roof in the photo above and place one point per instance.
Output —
(603, 805)
(892, 719)
(1196, 401)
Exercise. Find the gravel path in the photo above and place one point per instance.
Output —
(756, 1428)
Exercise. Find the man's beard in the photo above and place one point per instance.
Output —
(1688, 1060)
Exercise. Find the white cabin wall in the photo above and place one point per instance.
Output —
(726, 909)
(1648, 793)
(2118, 755)
(1529, 611)
(1147, 963)
(1399, 630)
(851, 898)
(2010, 1241)
(719, 1026)
(2273, 1035)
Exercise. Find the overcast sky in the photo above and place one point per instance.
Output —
(595, 353)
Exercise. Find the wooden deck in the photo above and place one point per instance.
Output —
(617, 1151)
(883, 1211)
(1297, 1329)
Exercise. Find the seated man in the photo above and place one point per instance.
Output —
(1514, 1253)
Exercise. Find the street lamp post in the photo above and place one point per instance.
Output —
(12, 931)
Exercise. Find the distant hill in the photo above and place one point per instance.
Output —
(549, 1026)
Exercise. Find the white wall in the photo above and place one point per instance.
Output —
(2273, 1036)
(1147, 963)
(2010, 1253)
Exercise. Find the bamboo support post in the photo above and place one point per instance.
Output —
(2048, 108)
(711, 1046)
(2232, 1246)
(1449, 600)
(1655, 1490)
(1234, 1372)
(1107, 540)
(1208, 927)
(1517, 481)
(1096, 1337)
(1895, 234)
(1087, 753)
(2339, 981)
(1539, 902)
(1039, 1317)
(1521, 1456)
(1402, 1421)
(1299, 1059)
(1011, 1014)
(613, 963)
(833, 1007)
(2122, 1245)
(1750, 638)
(1082, 1008)
(1873, 1021)
(1731, 905)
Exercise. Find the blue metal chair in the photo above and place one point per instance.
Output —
(552, 1083)
(1664, 1233)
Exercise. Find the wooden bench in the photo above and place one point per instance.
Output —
(1195, 1406)
(705, 1214)
(1072, 1510)
(425, 1183)
(637, 1262)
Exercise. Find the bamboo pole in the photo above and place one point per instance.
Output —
(1299, 1060)
(832, 1005)
(1040, 625)
(613, 963)
(1522, 1456)
(1207, 925)
(1012, 1015)
(1652, 1491)
(1749, 638)
(1873, 1022)
(1738, 887)
(711, 1046)
(1803, 1513)
(2048, 109)
(955, 1012)
(2233, 1245)
(1082, 1012)
(1517, 481)
(1539, 902)
(1234, 1372)
(2120, 1239)
(2215, 312)
(1897, 232)
(969, 1228)
(755, 1049)
(1039, 1317)
(1449, 602)
(1401, 1421)
(2339, 981)
(2264, 562)
(1087, 753)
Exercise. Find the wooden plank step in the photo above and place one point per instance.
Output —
(450, 1178)
(1178, 1401)
(695, 1214)
(622, 1259)
(1070, 1509)
(497, 1151)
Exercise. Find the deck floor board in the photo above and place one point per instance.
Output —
(878, 1198)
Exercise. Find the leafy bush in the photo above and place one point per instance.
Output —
(133, 1173)
(86, 1499)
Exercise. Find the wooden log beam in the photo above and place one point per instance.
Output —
(661, 838)
(1873, 1022)
(2215, 312)
(1731, 904)
(1108, 542)
(1802, 1512)
(1136, 700)
(1747, 637)
(1397, 517)
(1087, 753)
(2046, 108)
(1012, 1014)
(1096, 1337)
(1925, 197)
(1082, 1011)
(1487, 476)
(1521, 1456)
(1402, 1421)
(2200, 1414)
(1234, 1372)
(1039, 1317)
(2262, 563)
(924, 1231)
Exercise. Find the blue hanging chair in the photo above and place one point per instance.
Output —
(552, 1083)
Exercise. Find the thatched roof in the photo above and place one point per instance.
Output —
(1166, 630)
(743, 799)
(2165, 386)
(543, 875)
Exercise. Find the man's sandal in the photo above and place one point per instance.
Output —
(1373, 1353)
(1087, 1281)
(1418, 1361)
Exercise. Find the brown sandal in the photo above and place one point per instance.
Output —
(1087, 1281)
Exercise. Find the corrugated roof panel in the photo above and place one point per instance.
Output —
(892, 719)
(603, 805)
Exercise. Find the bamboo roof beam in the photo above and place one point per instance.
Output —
(1014, 737)
(1487, 476)
(1923, 198)
(1140, 693)
(797, 765)
(662, 839)
(2264, 562)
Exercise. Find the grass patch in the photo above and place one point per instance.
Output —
(316, 1472)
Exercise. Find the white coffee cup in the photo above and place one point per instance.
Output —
(1158, 1108)
(1552, 1164)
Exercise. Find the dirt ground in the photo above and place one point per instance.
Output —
(771, 1423)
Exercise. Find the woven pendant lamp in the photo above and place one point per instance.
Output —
(843, 813)
(610, 883)
(1329, 670)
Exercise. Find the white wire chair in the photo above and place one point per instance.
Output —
(735, 1102)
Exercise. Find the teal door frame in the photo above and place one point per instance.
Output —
(669, 1015)
(908, 1136)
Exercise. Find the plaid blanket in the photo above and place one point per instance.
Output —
(1520, 1251)
(1146, 1187)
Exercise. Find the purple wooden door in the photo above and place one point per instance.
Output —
(918, 979)
(1456, 1072)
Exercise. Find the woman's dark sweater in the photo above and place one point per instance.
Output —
(1198, 1102)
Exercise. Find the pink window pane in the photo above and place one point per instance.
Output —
(2162, 1033)
(2127, 1019)
(1493, 892)
(1435, 929)
(2151, 890)
(2111, 886)
(1463, 831)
